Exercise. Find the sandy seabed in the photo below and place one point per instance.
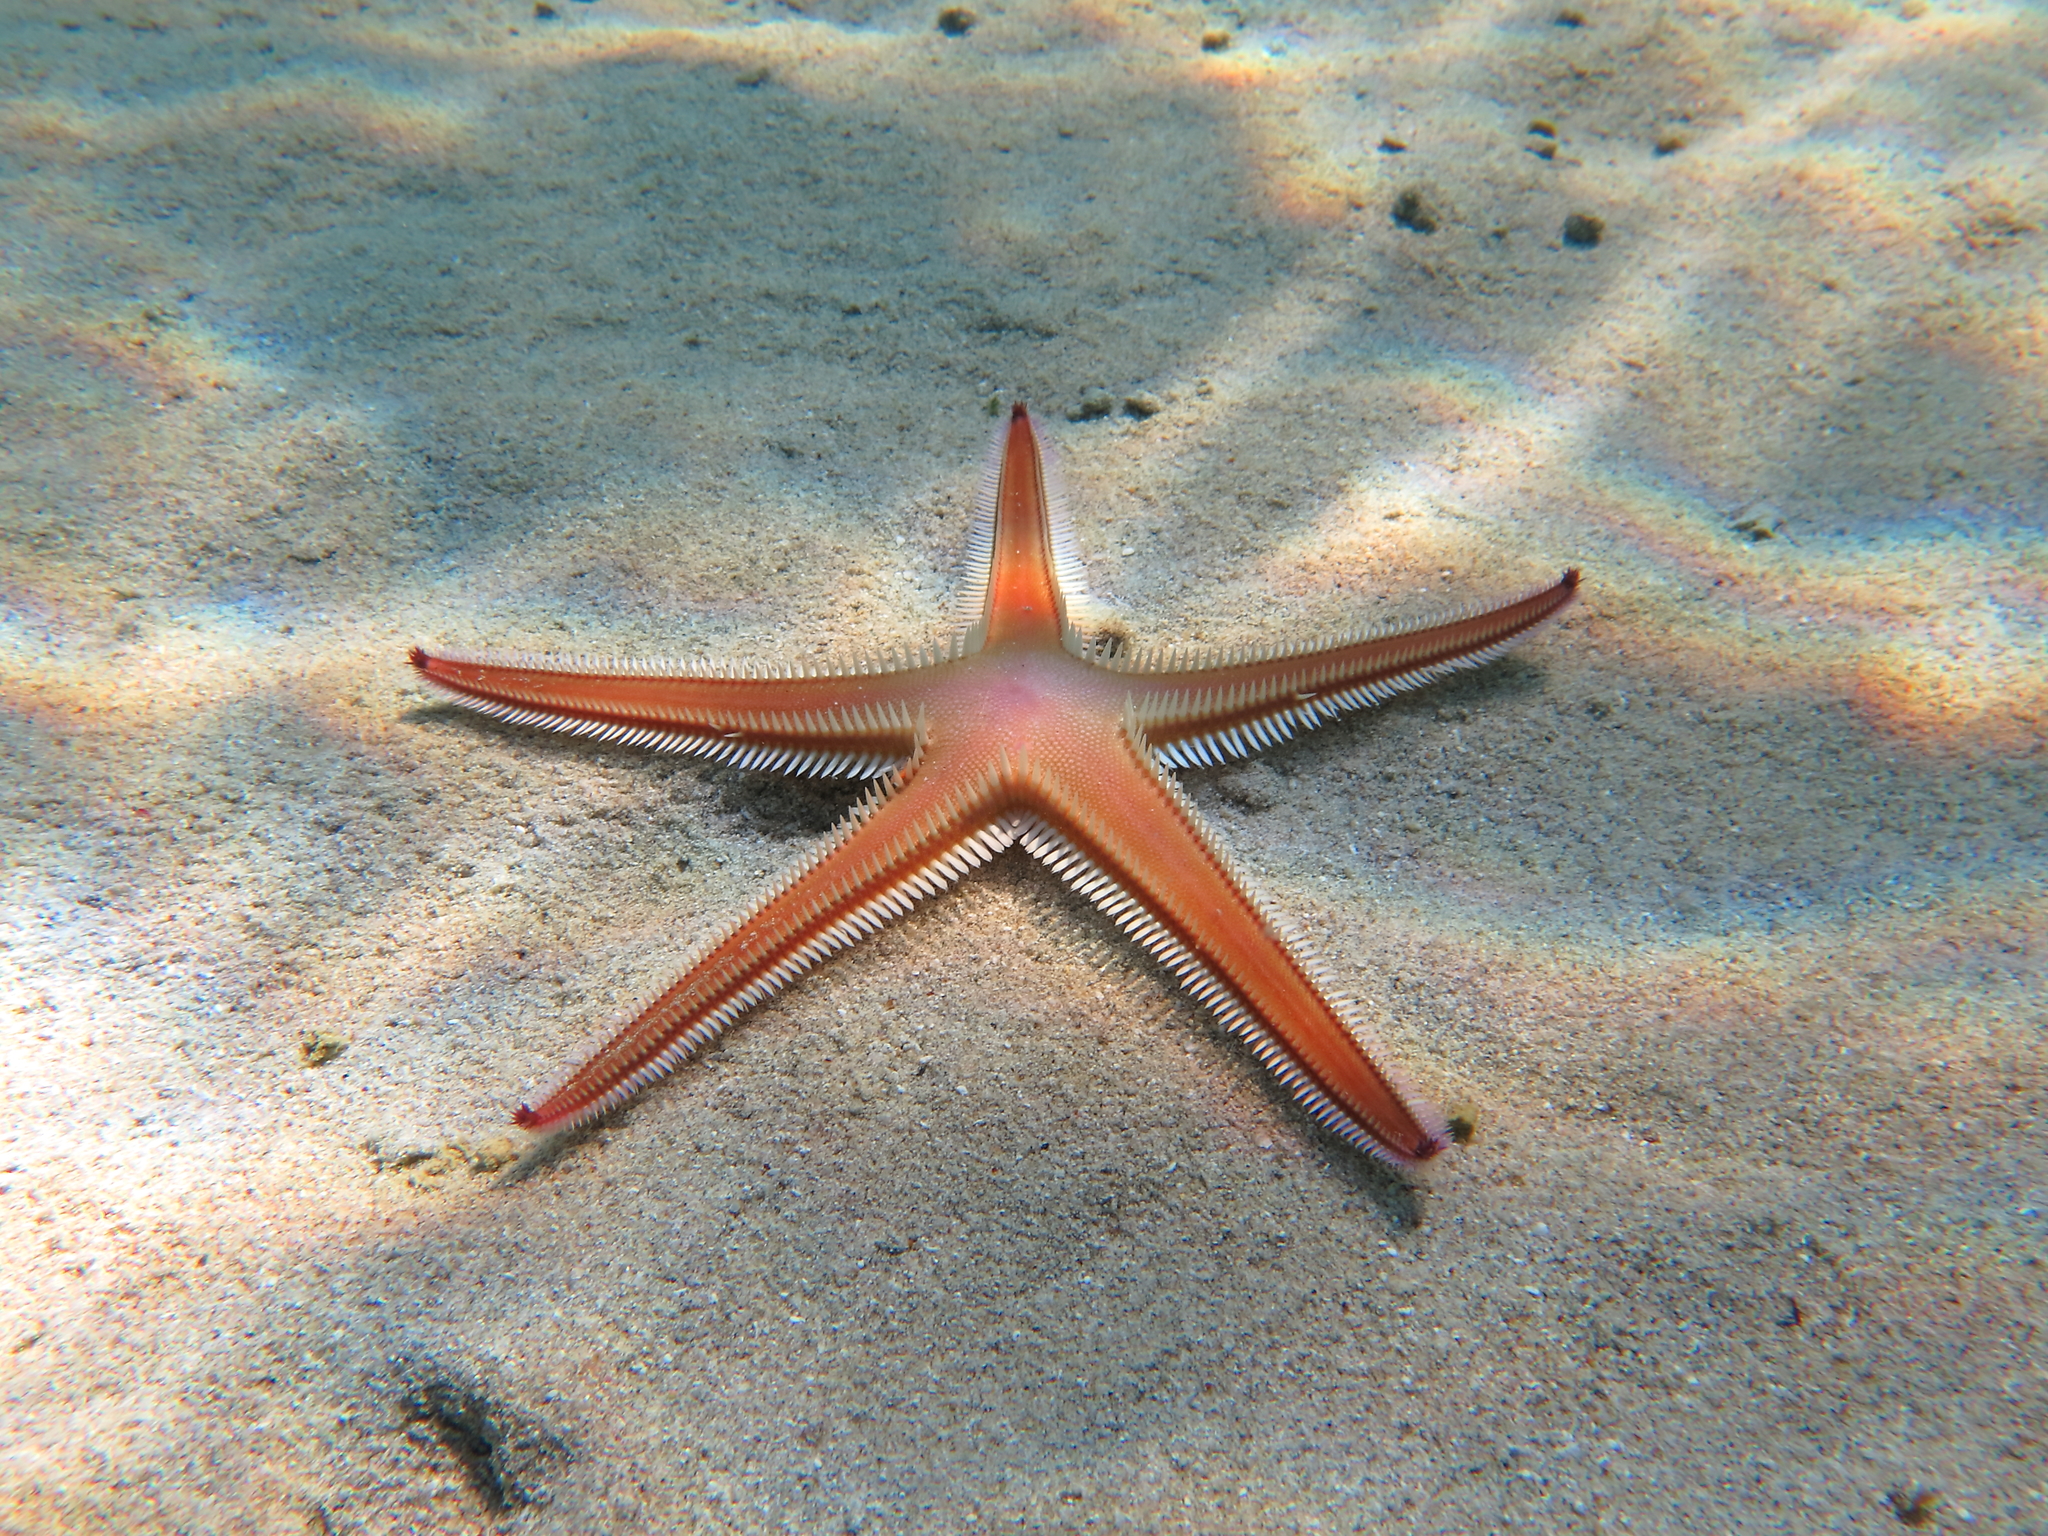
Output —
(670, 329)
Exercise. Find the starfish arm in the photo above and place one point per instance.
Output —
(1209, 708)
(846, 723)
(1134, 844)
(1023, 568)
(910, 838)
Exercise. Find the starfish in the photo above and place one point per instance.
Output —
(1019, 729)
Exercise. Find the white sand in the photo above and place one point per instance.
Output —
(666, 329)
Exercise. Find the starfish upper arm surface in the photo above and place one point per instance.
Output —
(1212, 705)
(848, 722)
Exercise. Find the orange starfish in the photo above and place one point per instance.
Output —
(1018, 731)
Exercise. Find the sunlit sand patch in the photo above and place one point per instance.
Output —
(147, 348)
(1906, 619)
(398, 123)
(2003, 345)
(1877, 52)
(1924, 692)
(138, 1162)
(820, 57)
(214, 657)
(1298, 177)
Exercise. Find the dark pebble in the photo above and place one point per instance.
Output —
(1413, 211)
(1583, 230)
(957, 21)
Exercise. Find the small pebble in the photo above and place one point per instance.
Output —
(1413, 211)
(1583, 230)
(1215, 40)
(957, 21)
(1571, 18)
(1669, 144)
(1141, 406)
(493, 1154)
(1389, 145)
(317, 1047)
(1094, 405)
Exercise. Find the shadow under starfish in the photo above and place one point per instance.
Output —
(1017, 731)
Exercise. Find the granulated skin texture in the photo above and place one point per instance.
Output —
(671, 332)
